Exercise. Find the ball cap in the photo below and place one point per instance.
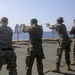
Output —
(60, 19)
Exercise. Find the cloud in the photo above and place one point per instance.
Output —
(2, 7)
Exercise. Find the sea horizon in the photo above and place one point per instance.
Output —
(46, 35)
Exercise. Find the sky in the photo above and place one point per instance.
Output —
(46, 11)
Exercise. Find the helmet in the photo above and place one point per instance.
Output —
(60, 19)
(4, 19)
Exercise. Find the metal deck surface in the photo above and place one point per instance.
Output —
(48, 62)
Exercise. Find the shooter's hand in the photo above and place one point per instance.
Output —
(68, 32)
(22, 27)
(47, 24)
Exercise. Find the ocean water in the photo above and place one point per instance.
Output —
(25, 36)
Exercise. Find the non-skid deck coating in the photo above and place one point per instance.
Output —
(49, 61)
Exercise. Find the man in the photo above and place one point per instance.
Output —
(73, 32)
(35, 49)
(64, 44)
(7, 55)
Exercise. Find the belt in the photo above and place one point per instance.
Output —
(7, 49)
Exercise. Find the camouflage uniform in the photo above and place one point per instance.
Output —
(64, 44)
(73, 32)
(7, 55)
(35, 49)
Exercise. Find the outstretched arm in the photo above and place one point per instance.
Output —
(72, 30)
(25, 28)
(51, 26)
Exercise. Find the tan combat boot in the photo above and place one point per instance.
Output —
(73, 63)
(56, 70)
(68, 67)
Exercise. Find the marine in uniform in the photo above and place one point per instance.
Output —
(7, 55)
(73, 32)
(35, 49)
(64, 43)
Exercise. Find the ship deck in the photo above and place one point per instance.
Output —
(48, 62)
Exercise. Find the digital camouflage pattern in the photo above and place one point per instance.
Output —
(34, 31)
(35, 49)
(64, 43)
(61, 30)
(7, 55)
(5, 36)
(73, 32)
